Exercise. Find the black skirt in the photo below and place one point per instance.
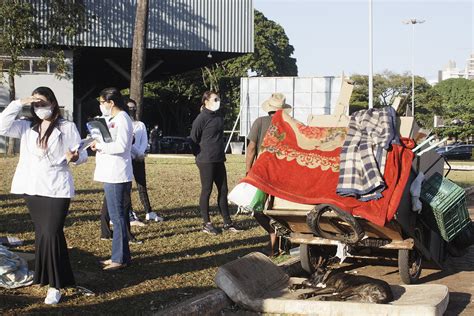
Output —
(52, 266)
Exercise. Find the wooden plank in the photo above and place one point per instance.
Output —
(408, 243)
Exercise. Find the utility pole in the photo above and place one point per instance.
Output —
(139, 55)
(413, 22)
(371, 61)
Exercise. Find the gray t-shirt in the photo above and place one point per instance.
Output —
(259, 129)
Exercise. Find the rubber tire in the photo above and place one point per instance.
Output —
(305, 259)
(404, 262)
(313, 222)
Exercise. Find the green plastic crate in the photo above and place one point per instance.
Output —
(447, 201)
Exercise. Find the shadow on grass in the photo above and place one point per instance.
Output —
(146, 303)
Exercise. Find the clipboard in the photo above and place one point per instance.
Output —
(98, 129)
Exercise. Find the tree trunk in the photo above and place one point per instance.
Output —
(11, 140)
(139, 55)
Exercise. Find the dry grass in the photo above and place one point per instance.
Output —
(175, 262)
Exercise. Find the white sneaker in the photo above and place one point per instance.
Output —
(152, 216)
(53, 296)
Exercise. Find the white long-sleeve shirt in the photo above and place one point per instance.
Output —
(113, 161)
(41, 172)
(141, 139)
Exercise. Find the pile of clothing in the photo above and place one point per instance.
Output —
(13, 270)
(362, 169)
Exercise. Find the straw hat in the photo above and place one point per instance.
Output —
(275, 103)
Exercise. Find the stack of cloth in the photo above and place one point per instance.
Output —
(301, 164)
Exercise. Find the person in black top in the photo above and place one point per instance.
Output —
(207, 133)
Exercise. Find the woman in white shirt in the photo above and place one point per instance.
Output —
(114, 169)
(48, 143)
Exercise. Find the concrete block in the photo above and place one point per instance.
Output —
(256, 283)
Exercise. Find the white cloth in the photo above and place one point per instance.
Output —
(41, 172)
(415, 191)
(113, 161)
(141, 140)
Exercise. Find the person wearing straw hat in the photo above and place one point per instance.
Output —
(259, 128)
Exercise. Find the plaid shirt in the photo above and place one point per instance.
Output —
(363, 155)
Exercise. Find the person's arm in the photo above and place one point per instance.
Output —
(250, 154)
(196, 130)
(80, 156)
(141, 140)
(9, 125)
(119, 146)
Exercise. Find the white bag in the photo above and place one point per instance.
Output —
(248, 197)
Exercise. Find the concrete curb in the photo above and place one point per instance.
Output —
(212, 302)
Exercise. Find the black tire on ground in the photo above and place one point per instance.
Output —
(352, 231)
(409, 263)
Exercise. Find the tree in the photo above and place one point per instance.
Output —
(139, 55)
(388, 86)
(20, 28)
(457, 97)
(179, 96)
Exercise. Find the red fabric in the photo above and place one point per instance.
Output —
(278, 173)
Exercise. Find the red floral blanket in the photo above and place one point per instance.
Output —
(301, 164)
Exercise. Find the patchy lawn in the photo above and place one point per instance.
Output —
(175, 262)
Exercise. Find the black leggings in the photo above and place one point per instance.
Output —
(140, 178)
(213, 172)
(52, 266)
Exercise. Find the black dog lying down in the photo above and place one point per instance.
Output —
(341, 286)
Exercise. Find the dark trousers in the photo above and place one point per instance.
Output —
(140, 178)
(105, 231)
(213, 172)
(52, 266)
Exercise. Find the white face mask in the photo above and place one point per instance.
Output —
(105, 111)
(214, 106)
(44, 112)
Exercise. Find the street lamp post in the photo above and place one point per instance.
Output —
(371, 61)
(413, 22)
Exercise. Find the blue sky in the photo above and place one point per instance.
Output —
(331, 36)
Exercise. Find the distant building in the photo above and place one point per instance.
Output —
(451, 71)
(182, 35)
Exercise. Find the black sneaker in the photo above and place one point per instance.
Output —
(209, 229)
(231, 228)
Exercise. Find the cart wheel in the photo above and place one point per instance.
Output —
(313, 257)
(409, 262)
(306, 259)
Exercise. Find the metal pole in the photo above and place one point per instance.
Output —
(413, 72)
(413, 22)
(371, 63)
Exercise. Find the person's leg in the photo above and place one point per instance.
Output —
(114, 193)
(139, 174)
(127, 205)
(220, 179)
(264, 221)
(52, 266)
(206, 172)
(105, 231)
